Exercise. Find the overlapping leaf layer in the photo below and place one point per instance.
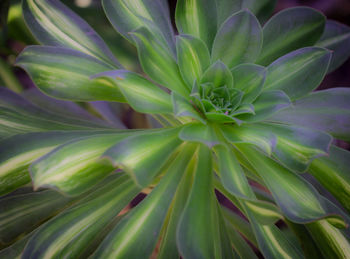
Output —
(241, 122)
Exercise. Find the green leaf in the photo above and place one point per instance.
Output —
(18, 152)
(296, 146)
(333, 172)
(54, 24)
(157, 61)
(134, 230)
(262, 8)
(336, 37)
(288, 30)
(193, 239)
(141, 94)
(193, 58)
(65, 73)
(168, 248)
(20, 214)
(183, 107)
(197, 18)
(267, 104)
(238, 40)
(298, 200)
(127, 16)
(299, 72)
(15, 250)
(218, 74)
(75, 166)
(330, 240)
(231, 173)
(197, 132)
(327, 110)
(226, 8)
(72, 232)
(249, 78)
(265, 140)
(240, 245)
(143, 156)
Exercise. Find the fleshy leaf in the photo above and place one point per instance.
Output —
(144, 156)
(296, 146)
(267, 104)
(330, 240)
(168, 248)
(75, 167)
(127, 16)
(231, 173)
(157, 61)
(197, 18)
(249, 78)
(265, 140)
(298, 200)
(333, 172)
(218, 74)
(193, 58)
(288, 30)
(336, 37)
(147, 217)
(18, 152)
(261, 8)
(226, 8)
(238, 40)
(183, 107)
(72, 232)
(299, 72)
(196, 132)
(141, 94)
(54, 24)
(194, 240)
(22, 213)
(65, 73)
(327, 110)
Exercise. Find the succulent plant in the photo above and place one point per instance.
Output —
(243, 164)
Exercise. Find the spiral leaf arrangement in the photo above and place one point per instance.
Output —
(237, 119)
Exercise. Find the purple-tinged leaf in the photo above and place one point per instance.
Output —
(53, 23)
(336, 37)
(327, 110)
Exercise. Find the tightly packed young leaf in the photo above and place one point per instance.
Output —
(234, 94)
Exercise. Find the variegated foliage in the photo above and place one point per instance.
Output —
(234, 93)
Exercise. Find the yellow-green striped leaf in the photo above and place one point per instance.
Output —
(71, 233)
(197, 18)
(141, 94)
(144, 156)
(298, 200)
(127, 16)
(75, 166)
(183, 108)
(333, 172)
(288, 30)
(20, 214)
(158, 62)
(218, 74)
(18, 152)
(197, 132)
(299, 72)
(193, 58)
(238, 40)
(261, 8)
(134, 230)
(330, 240)
(65, 74)
(195, 238)
(54, 24)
